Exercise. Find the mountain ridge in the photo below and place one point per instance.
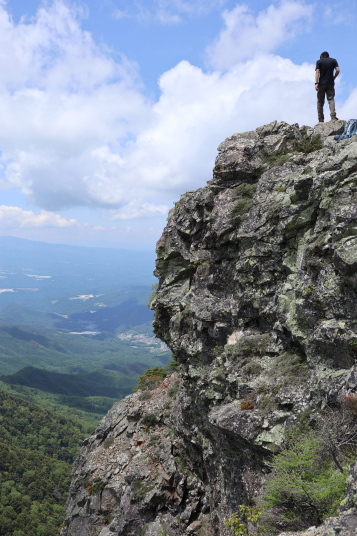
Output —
(257, 301)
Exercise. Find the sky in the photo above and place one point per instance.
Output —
(110, 110)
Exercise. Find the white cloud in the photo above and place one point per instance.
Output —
(61, 99)
(245, 36)
(77, 130)
(349, 107)
(336, 13)
(16, 218)
(137, 210)
(119, 14)
(197, 110)
(164, 11)
(44, 52)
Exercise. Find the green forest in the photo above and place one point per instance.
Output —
(37, 449)
(66, 353)
(89, 409)
(78, 376)
(75, 333)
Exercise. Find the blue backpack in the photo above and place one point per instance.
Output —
(349, 130)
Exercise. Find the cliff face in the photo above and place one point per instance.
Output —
(257, 301)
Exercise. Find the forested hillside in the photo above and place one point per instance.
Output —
(79, 376)
(75, 333)
(37, 449)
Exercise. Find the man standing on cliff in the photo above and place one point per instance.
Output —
(326, 71)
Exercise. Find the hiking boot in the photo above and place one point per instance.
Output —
(334, 119)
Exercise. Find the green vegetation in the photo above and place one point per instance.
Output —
(309, 290)
(69, 354)
(36, 452)
(245, 521)
(149, 420)
(95, 383)
(352, 343)
(88, 409)
(141, 488)
(309, 145)
(305, 486)
(154, 438)
(275, 159)
(245, 191)
(61, 293)
(153, 294)
(242, 206)
(28, 426)
(291, 367)
(145, 395)
(33, 492)
(305, 145)
(280, 188)
(205, 261)
(79, 377)
(267, 403)
(308, 478)
(108, 442)
(96, 486)
(70, 394)
(247, 353)
(42, 438)
(172, 391)
(173, 365)
(252, 368)
(250, 345)
(149, 379)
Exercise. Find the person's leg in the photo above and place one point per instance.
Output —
(320, 103)
(330, 93)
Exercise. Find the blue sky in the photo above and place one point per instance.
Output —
(111, 109)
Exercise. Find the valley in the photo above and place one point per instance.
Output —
(75, 334)
(74, 323)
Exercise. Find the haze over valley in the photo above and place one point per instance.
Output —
(75, 327)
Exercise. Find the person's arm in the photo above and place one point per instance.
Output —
(317, 78)
(337, 72)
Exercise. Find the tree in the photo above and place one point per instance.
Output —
(304, 487)
(338, 431)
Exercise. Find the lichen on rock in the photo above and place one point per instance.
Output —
(257, 300)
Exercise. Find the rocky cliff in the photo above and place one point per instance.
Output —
(257, 301)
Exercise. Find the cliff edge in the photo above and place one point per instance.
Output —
(257, 301)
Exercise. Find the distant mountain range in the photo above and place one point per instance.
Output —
(75, 333)
(65, 279)
(75, 330)
(133, 266)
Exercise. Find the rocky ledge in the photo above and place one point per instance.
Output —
(257, 301)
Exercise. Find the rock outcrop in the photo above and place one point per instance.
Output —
(257, 301)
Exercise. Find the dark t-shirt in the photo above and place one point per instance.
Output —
(327, 67)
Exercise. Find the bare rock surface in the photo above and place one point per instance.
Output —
(330, 128)
(132, 476)
(257, 301)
